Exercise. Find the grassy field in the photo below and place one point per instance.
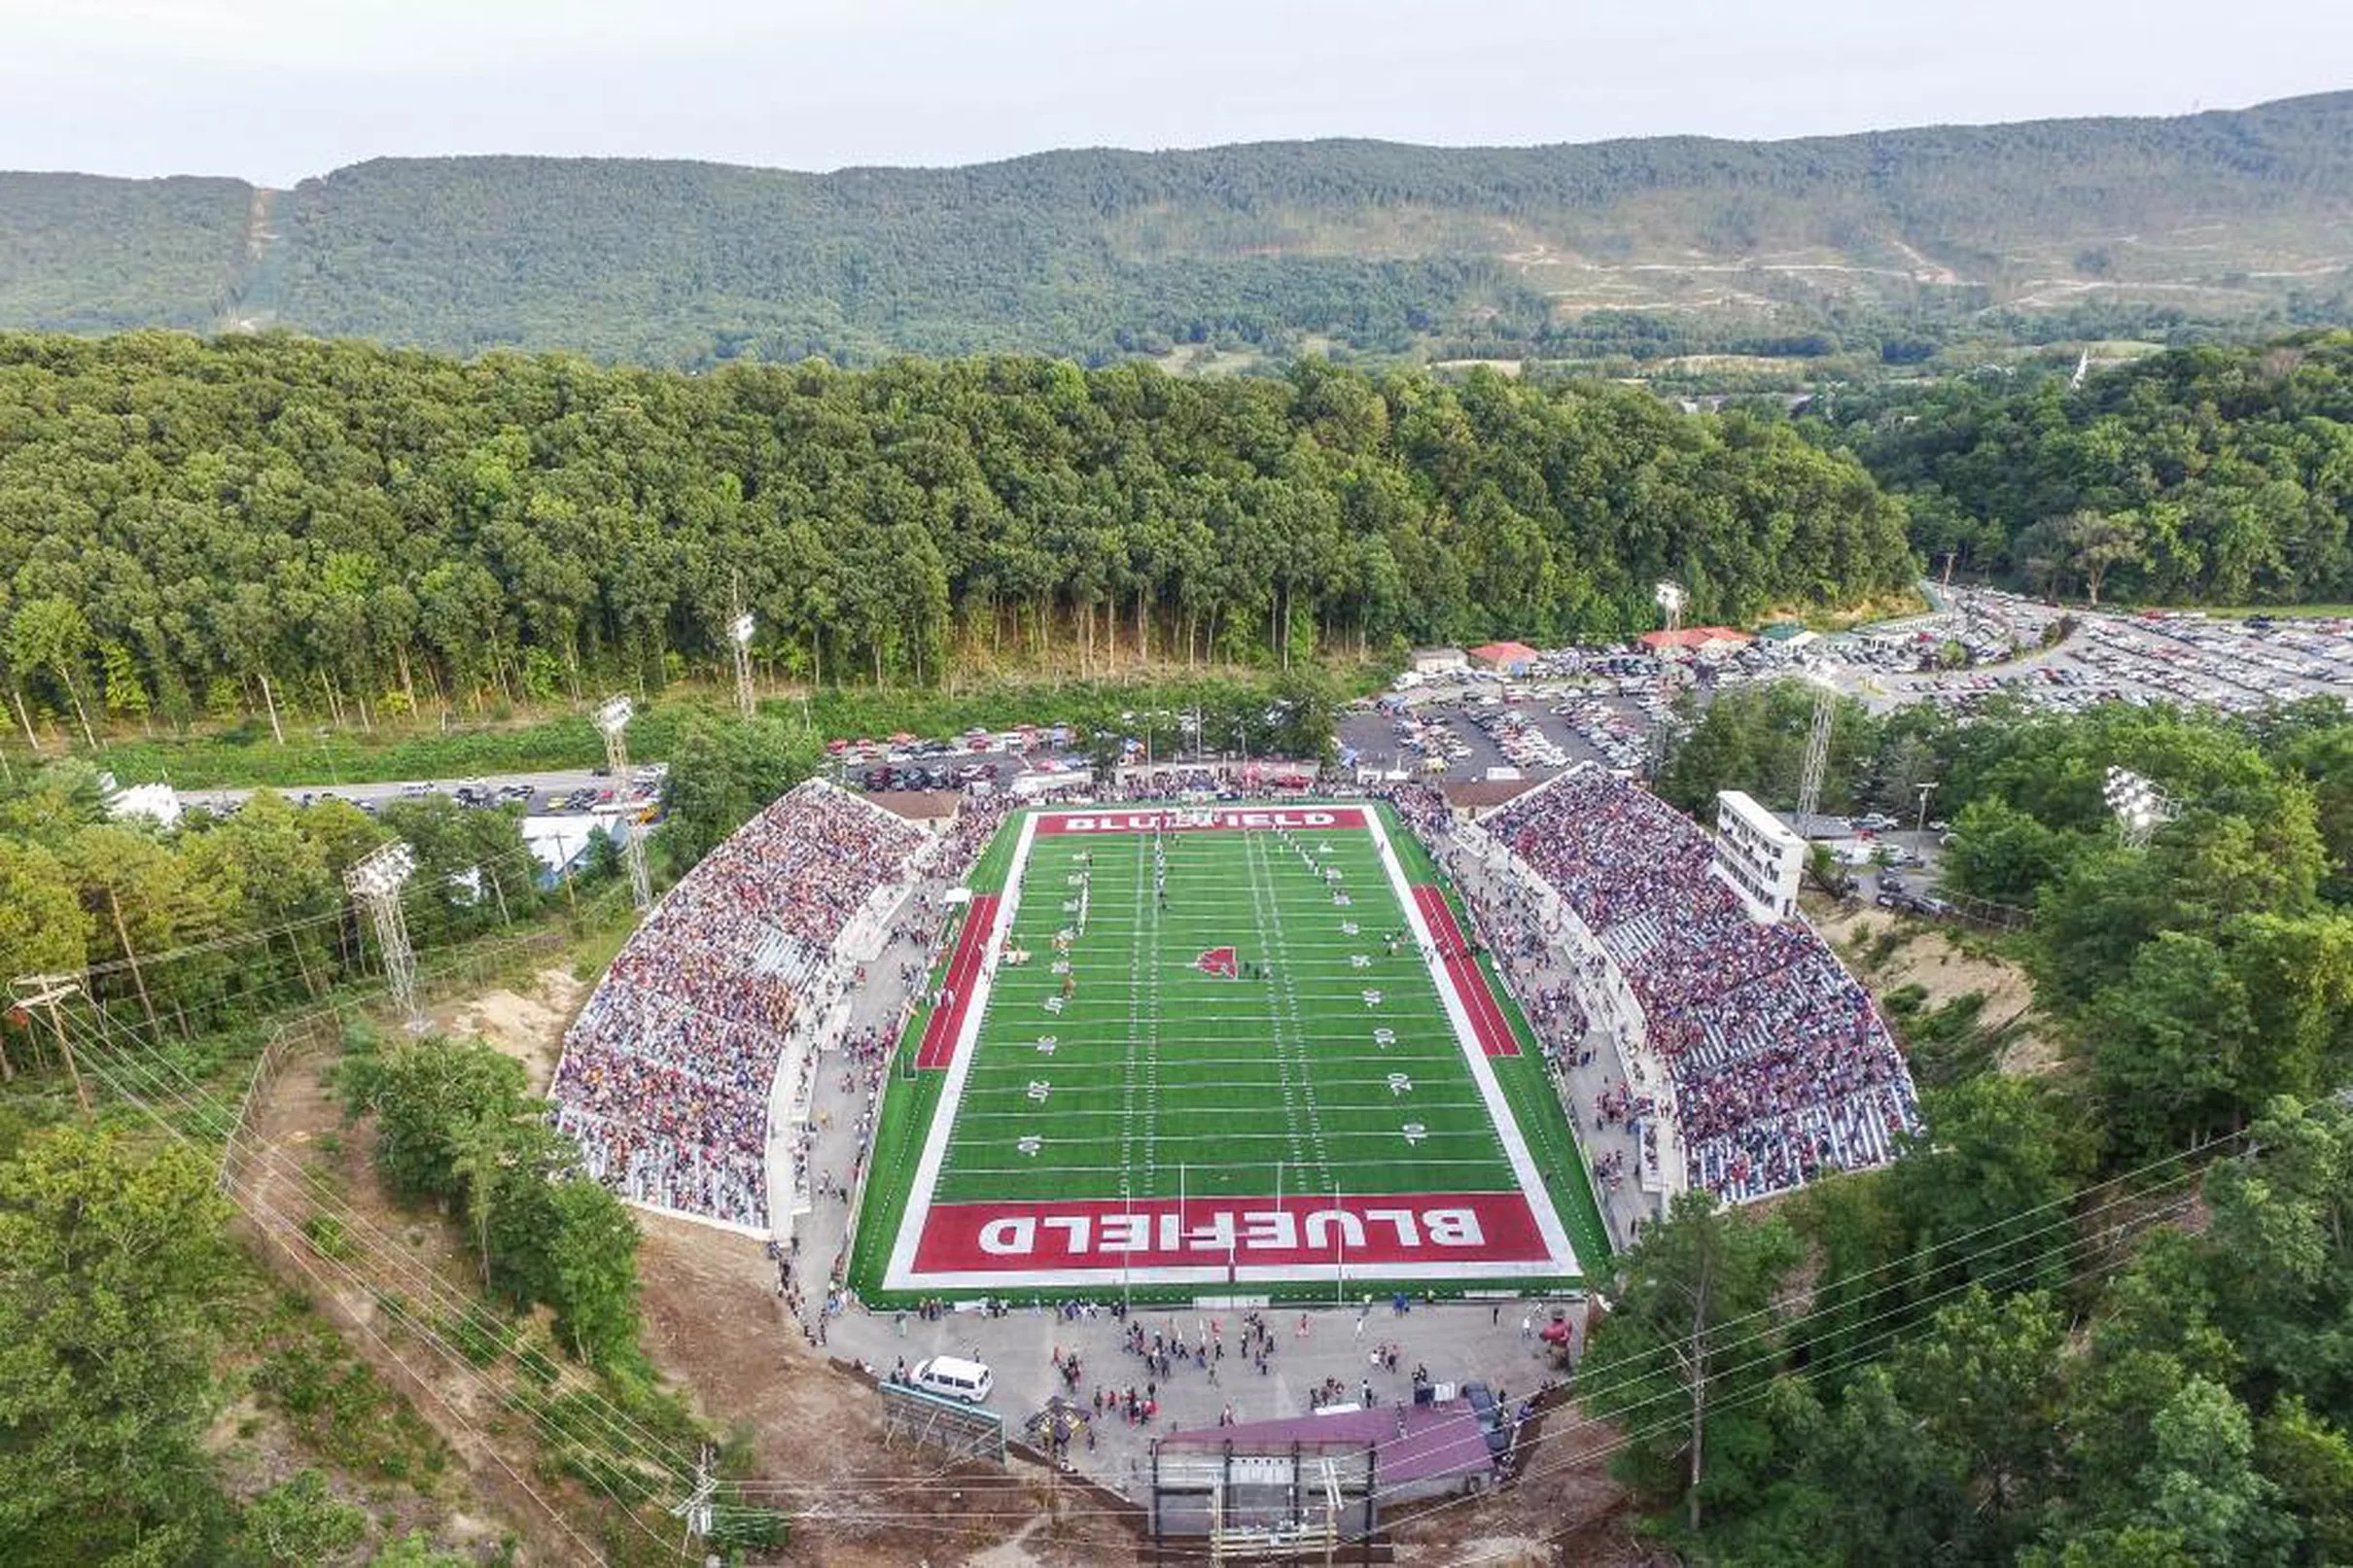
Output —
(245, 754)
(1209, 1037)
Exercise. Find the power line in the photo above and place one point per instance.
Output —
(257, 1205)
(622, 1430)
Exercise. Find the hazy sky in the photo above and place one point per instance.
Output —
(276, 89)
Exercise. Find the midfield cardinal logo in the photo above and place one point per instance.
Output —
(1218, 963)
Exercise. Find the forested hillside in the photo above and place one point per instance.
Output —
(79, 254)
(188, 526)
(1884, 243)
(2217, 475)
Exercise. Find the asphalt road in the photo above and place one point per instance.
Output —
(542, 787)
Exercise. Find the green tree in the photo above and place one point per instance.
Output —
(113, 1275)
(298, 1522)
(1690, 1333)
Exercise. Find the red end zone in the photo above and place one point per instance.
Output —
(1462, 973)
(1299, 1231)
(946, 1022)
(1181, 820)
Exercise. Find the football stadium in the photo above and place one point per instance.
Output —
(1239, 1049)
(1239, 1045)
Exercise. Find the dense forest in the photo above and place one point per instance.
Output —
(1886, 243)
(227, 528)
(2094, 1316)
(2215, 476)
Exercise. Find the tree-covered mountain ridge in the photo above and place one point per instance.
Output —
(1095, 253)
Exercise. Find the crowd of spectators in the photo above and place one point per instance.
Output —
(1783, 1067)
(667, 1073)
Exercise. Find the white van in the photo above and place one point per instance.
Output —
(954, 1378)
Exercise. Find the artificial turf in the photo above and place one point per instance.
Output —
(1160, 1074)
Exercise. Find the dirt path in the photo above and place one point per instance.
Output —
(312, 1164)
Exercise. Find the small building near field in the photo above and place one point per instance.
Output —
(1757, 856)
(931, 810)
(1256, 1475)
(1788, 634)
(1510, 658)
(1437, 661)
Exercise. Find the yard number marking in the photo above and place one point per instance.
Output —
(1399, 1083)
(1414, 1131)
(1040, 1089)
(1030, 1144)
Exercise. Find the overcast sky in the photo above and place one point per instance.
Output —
(276, 89)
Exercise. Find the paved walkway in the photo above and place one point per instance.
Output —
(1498, 892)
(1453, 1342)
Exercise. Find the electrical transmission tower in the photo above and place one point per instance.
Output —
(611, 720)
(375, 882)
(739, 635)
(1817, 755)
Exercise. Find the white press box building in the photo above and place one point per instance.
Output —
(1757, 856)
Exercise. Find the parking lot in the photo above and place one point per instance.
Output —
(2237, 665)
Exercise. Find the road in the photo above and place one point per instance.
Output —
(544, 787)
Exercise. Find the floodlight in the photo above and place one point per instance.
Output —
(380, 873)
(614, 715)
(739, 630)
(2140, 805)
(1669, 597)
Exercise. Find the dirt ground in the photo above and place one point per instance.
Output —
(714, 1323)
(527, 1026)
(1933, 961)
(312, 1159)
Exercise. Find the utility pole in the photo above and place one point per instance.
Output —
(611, 720)
(375, 882)
(53, 991)
(696, 1509)
(154, 1031)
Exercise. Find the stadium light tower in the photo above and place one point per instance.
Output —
(739, 633)
(1669, 597)
(375, 881)
(2141, 808)
(611, 720)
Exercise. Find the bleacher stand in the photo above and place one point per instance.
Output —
(1783, 1067)
(670, 1074)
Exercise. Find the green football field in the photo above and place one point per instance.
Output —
(1204, 1058)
